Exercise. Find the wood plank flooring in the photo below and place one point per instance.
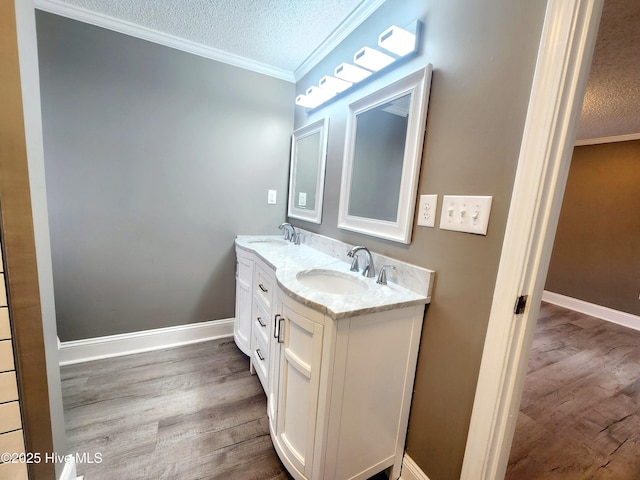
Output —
(580, 413)
(192, 412)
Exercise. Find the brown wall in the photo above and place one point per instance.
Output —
(20, 258)
(596, 254)
(483, 54)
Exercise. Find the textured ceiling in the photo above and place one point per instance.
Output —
(612, 102)
(284, 33)
(280, 33)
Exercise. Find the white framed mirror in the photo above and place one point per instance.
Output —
(382, 156)
(306, 178)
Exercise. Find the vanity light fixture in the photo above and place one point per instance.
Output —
(372, 59)
(303, 101)
(397, 40)
(400, 43)
(334, 84)
(351, 73)
(319, 94)
(314, 97)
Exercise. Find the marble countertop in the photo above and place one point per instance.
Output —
(288, 260)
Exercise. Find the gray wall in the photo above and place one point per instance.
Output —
(596, 253)
(155, 159)
(483, 55)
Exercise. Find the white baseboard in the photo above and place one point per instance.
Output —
(69, 471)
(605, 313)
(410, 470)
(78, 351)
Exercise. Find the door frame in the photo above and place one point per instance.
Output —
(559, 83)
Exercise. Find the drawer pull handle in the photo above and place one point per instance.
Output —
(262, 324)
(262, 288)
(259, 353)
(280, 336)
(276, 325)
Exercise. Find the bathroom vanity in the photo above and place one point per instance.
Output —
(334, 351)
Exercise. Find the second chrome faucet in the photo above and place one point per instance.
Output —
(290, 233)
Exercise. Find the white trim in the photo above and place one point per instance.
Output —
(605, 313)
(411, 470)
(562, 69)
(122, 26)
(69, 471)
(353, 21)
(614, 139)
(78, 351)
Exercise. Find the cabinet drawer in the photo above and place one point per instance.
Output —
(263, 285)
(260, 356)
(244, 269)
(261, 321)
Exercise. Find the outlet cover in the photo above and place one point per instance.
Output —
(427, 210)
(465, 213)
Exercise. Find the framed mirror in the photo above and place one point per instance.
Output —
(382, 156)
(306, 178)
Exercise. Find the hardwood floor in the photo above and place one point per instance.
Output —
(580, 412)
(191, 412)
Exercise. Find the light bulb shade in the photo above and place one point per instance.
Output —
(372, 59)
(314, 97)
(397, 40)
(307, 102)
(350, 73)
(334, 84)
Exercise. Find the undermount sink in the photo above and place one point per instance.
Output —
(332, 281)
(276, 242)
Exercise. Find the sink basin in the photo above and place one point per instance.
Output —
(276, 242)
(332, 281)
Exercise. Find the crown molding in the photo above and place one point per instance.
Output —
(122, 26)
(353, 21)
(612, 139)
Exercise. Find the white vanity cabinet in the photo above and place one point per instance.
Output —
(343, 390)
(261, 328)
(337, 365)
(244, 292)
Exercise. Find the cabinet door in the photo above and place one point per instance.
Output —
(244, 283)
(300, 356)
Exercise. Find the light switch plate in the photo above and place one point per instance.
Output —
(271, 197)
(427, 208)
(465, 213)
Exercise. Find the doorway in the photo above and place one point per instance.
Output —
(560, 79)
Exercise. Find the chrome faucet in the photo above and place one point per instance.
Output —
(369, 270)
(290, 233)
